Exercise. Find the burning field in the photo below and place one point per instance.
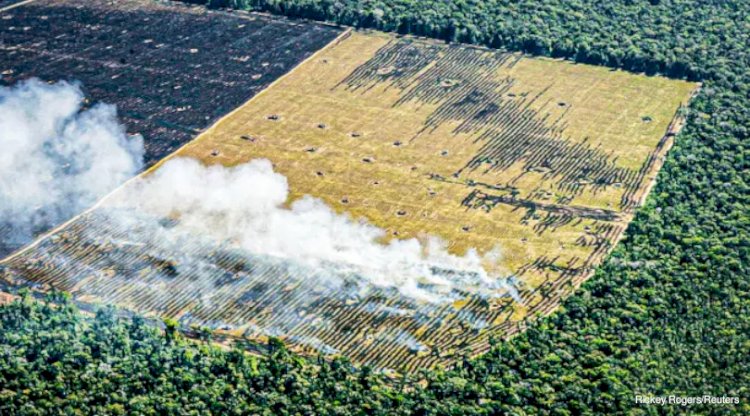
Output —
(395, 200)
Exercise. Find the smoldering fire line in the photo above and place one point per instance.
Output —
(246, 205)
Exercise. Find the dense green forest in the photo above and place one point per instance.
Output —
(680, 38)
(56, 360)
(668, 313)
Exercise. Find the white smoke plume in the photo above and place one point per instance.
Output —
(59, 158)
(56, 158)
(246, 205)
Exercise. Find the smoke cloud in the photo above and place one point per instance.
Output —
(247, 206)
(57, 158)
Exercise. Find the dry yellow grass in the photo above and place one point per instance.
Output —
(545, 159)
(603, 105)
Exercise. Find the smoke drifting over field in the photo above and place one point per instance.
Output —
(57, 158)
(246, 206)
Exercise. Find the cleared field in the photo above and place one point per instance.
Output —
(544, 159)
(170, 69)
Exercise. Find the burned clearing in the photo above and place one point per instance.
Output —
(171, 69)
(546, 159)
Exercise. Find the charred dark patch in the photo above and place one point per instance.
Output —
(157, 62)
